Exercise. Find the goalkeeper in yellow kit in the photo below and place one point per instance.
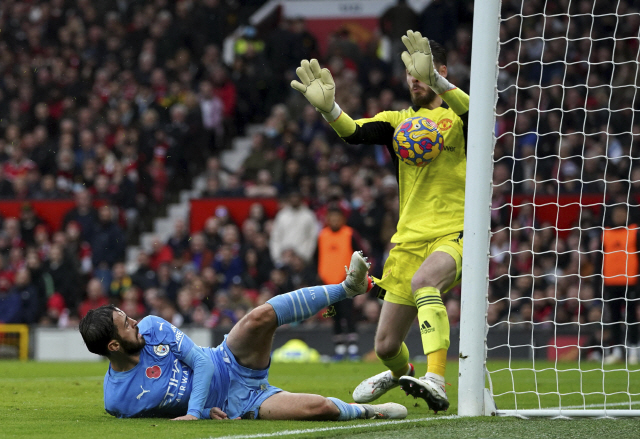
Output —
(427, 258)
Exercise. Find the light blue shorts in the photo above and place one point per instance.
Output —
(248, 388)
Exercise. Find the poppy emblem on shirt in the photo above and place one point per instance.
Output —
(154, 372)
(161, 350)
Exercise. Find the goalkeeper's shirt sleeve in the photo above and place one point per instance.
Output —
(377, 130)
(457, 100)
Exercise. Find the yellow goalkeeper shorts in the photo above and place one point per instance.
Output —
(405, 259)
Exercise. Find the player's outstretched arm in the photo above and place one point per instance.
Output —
(318, 87)
(419, 63)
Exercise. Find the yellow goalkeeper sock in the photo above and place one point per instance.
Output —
(399, 363)
(437, 362)
(434, 328)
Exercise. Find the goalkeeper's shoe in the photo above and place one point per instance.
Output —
(376, 386)
(358, 280)
(389, 410)
(428, 389)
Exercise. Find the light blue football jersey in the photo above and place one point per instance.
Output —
(161, 384)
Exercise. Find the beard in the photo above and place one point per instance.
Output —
(422, 99)
(132, 347)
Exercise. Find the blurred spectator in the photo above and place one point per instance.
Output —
(336, 243)
(198, 254)
(108, 242)
(179, 241)
(620, 272)
(29, 296)
(144, 277)
(10, 302)
(160, 254)
(438, 21)
(29, 220)
(295, 227)
(394, 23)
(65, 278)
(6, 188)
(263, 186)
(119, 281)
(84, 214)
(227, 265)
(95, 297)
(167, 286)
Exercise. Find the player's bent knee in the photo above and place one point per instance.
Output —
(387, 347)
(260, 318)
(419, 280)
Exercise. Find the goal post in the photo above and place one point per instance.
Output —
(475, 260)
(550, 297)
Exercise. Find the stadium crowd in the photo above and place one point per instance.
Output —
(124, 102)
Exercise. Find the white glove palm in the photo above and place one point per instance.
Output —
(418, 59)
(317, 85)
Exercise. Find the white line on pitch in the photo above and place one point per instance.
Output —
(344, 427)
(611, 404)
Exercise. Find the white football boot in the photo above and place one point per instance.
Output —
(376, 386)
(615, 356)
(389, 410)
(428, 389)
(358, 280)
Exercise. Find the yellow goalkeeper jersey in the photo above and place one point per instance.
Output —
(431, 197)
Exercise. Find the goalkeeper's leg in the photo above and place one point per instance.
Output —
(393, 325)
(437, 272)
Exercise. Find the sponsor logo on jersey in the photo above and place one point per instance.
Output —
(449, 148)
(177, 384)
(154, 372)
(426, 328)
(161, 350)
(444, 124)
(161, 325)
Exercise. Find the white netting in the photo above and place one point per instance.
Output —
(566, 160)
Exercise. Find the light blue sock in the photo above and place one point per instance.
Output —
(301, 304)
(347, 411)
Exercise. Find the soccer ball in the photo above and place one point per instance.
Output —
(417, 141)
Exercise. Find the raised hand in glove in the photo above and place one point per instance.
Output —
(316, 85)
(419, 62)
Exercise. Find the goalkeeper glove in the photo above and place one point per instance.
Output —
(318, 87)
(419, 62)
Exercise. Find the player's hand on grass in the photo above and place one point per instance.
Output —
(185, 418)
(317, 85)
(418, 59)
(216, 414)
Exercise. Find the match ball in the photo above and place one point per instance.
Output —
(417, 141)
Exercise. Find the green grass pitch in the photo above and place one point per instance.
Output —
(64, 400)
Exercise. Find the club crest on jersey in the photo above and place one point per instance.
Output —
(444, 124)
(154, 372)
(161, 350)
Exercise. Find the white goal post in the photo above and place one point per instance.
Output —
(560, 342)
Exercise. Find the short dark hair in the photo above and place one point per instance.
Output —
(438, 52)
(97, 329)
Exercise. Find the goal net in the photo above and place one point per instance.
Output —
(563, 257)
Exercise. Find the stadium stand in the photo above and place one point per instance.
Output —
(108, 108)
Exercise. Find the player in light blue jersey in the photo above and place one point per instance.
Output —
(157, 371)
